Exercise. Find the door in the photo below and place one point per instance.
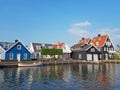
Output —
(18, 57)
(106, 56)
(89, 57)
(37, 56)
(95, 57)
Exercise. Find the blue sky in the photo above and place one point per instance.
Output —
(50, 21)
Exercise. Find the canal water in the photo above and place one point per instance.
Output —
(61, 77)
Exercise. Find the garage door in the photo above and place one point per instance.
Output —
(95, 57)
(89, 57)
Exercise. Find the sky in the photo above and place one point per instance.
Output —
(52, 21)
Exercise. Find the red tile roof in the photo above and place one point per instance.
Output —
(58, 45)
(99, 41)
(84, 41)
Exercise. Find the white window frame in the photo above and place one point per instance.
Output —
(18, 47)
(25, 55)
(11, 56)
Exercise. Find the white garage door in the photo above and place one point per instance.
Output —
(89, 57)
(95, 57)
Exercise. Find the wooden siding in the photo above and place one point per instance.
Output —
(15, 51)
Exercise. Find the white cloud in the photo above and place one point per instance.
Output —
(77, 30)
(82, 24)
(81, 29)
(82, 33)
(113, 32)
(109, 30)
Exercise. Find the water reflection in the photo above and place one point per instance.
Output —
(61, 77)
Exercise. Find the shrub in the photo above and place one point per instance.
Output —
(117, 57)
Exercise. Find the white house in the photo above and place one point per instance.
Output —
(35, 49)
(64, 46)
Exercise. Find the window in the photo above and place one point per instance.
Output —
(11, 56)
(50, 47)
(110, 56)
(25, 55)
(65, 48)
(38, 47)
(104, 48)
(99, 48)
(100, 56)
(18, 47)
(80, 56)
(97, 43)
(107, 49)
(111, 49)
(108, 43)
(7, 45)
(92, 50)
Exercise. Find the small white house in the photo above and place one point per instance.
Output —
(35, 49)
(66, 49)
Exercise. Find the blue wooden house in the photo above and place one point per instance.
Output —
(15, 51)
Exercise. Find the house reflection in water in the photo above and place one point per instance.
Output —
(92, 76)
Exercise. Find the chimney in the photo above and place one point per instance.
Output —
(83, 38)
(99, 35)
(16, 40)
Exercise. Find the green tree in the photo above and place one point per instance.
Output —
(116, 56)
(118, 49)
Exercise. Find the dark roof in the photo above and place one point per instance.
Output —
(37, 46)
(85, 47)
(48, 45)
(77, 46)
(6, 45)
(80, 47)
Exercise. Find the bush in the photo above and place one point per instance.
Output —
(117, 57)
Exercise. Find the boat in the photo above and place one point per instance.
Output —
(29, 64)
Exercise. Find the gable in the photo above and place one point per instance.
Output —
(66, 48)
(109, 43)
(92, 49)
(18, 47)
(36, 47)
